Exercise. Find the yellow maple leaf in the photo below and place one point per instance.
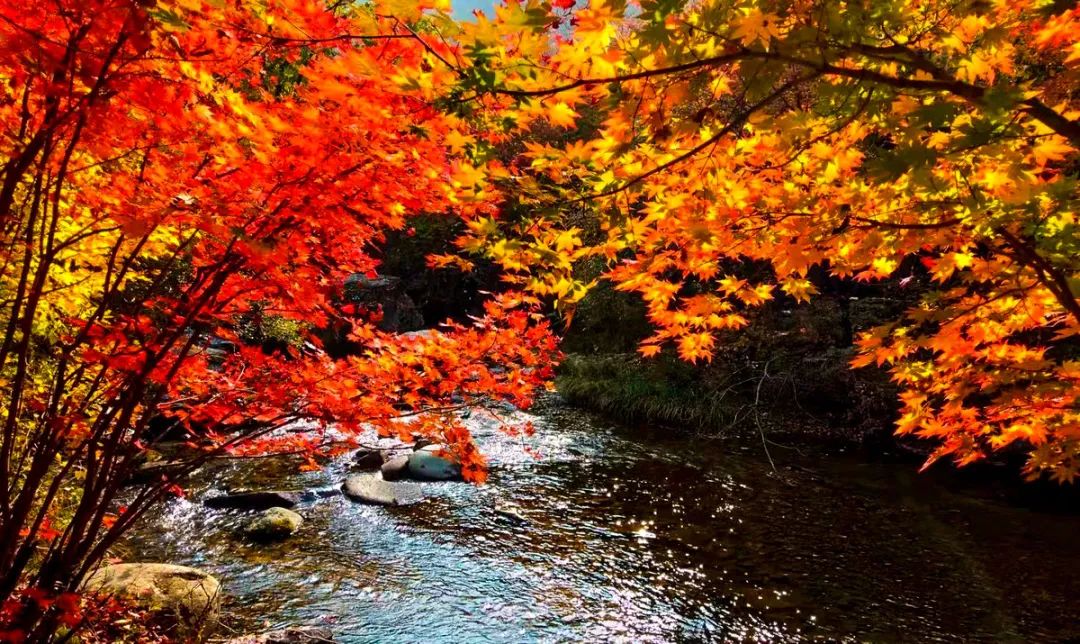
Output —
(1049, 149)
(568, 240)
(884, 266)
(562, 115)
(799, 288)
(457, 141)
(976, 67)
(757, 25)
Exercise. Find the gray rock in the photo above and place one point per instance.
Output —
(421, 442)
(361, 282)
(372, 489)
(422, 334)
(390, 454)
(368, 459)
(426, 464)
(188, 598)
(155, 470)
(396, 468)
(215, 343)
(291, 635)
(274, 524)
(254, 500)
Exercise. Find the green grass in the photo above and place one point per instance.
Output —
(812, 398)
(663, 391)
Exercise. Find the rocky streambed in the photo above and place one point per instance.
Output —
(614, 534)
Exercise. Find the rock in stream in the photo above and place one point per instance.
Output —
(371, 488)
(186, 597)
(274, 524)
(254, 500)
(426, 464)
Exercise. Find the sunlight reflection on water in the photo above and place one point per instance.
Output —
(607, 537)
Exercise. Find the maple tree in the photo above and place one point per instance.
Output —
(854, 136)
(170, 169)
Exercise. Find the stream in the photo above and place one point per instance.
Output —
(616, 534)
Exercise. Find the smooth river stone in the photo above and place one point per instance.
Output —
(396, 468)
(424, 464)
(254, 500)
(368, 459)
(370, 488)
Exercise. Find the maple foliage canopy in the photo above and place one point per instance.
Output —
(911, 139)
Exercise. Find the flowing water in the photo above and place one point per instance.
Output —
(628, 535)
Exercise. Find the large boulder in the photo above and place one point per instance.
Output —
(291, 635)
(254, 500)
(427, 464)
(274, 524)
(372, 489)
(185, 599)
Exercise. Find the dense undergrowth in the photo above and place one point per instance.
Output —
(788, 373)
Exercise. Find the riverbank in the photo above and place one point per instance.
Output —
(827, 410)
(815, 399)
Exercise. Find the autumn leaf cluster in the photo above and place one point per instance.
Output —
(171, 169)
(929, 141)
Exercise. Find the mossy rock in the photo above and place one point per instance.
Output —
(274, 524)
(186, 600)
